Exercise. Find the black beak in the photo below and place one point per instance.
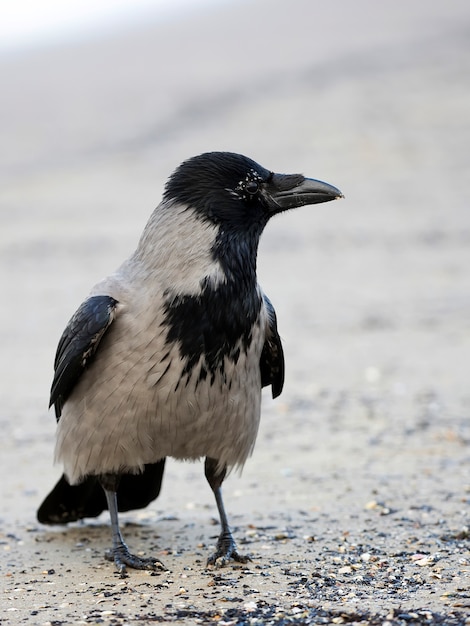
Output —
(291, 191)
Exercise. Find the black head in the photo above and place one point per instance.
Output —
(238, 194)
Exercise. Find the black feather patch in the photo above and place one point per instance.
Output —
(207, 184)
(69, 503)
(78, 345)
(212, 324)
(272, 356)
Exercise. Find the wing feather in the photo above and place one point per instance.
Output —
(78, 345)
(272, 355)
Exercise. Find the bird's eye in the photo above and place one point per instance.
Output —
(252, 187)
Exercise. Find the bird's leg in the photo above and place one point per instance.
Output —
(226, 546)
(120, 552)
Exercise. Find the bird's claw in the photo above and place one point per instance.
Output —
(226, 551)
(123, 558)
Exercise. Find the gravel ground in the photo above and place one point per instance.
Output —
(355, 505)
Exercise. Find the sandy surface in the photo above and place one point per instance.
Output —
(355, 504)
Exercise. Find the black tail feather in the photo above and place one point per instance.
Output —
(69, 503)
(136, 491)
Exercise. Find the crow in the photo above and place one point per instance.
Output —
(167, 356)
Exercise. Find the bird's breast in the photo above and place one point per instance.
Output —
(216, 324)
(181, 379)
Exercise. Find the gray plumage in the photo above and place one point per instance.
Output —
(128, 409)
(168, 355)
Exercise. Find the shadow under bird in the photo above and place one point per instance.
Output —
(167, 356)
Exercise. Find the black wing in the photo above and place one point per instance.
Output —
(272, 355)
(78, 345)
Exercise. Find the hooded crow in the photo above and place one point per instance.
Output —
(167, 356)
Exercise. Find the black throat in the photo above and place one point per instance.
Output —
(218, 323)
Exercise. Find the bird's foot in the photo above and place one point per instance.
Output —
(226, 550)
(123, 558)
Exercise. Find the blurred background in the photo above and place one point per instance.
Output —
(101, 101)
